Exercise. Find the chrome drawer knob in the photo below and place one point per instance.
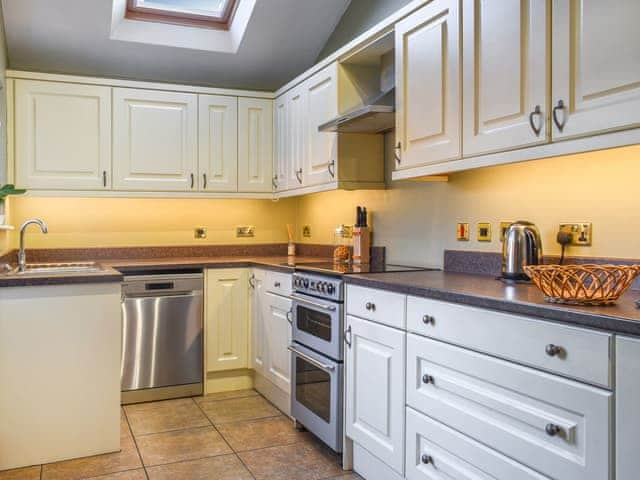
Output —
(276, 284)
(370, 306)
(428, 320)
(553, 350)
(426, 459)
(552, 429)
(426, 378)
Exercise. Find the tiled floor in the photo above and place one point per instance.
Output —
(226, 436)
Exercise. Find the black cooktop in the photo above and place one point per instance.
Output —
(347, 269)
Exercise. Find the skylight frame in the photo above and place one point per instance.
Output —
(175, 17)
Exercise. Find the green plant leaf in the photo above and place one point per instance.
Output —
(10, 189)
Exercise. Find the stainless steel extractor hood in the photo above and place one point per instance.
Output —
(377, 116)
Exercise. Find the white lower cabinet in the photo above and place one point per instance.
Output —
(271, 335)
(627, 425)
(555, 426)
(437, 452)
(375, 393)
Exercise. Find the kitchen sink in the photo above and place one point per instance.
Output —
(58, 268)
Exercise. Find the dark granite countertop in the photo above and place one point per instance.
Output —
(113, 269)
(487, 292)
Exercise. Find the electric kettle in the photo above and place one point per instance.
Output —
(522, 246)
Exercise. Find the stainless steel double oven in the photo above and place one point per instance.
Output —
(317, 356)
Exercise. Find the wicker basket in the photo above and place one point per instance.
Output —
(583, 284)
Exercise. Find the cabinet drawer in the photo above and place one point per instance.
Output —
(377, 305)
(584, 354)
(435, 451)
(554, 425)
(278, 283)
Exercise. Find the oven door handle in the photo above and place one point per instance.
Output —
(330, 308)
(311, 360)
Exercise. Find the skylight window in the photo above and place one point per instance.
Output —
(198, 13)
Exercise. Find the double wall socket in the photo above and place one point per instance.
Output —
(245, 231)
(581, 233)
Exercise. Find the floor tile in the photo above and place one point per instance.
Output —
(238, 409)
(225, 467)
(181, 445)
(227, 395)
(165, 416)
(299, 461)
(126, 459)
(28, 473)
(137, 474)
(265, 432)
(348, 476)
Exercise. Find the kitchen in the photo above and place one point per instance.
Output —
(444, 373)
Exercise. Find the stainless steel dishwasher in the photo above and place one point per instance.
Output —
(162, 336)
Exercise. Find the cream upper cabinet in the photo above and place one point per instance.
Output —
(227, 319)
(281, 144)
(428, 85)
(62, 136)
(506, 66)
(320, 160)
(296, 137)
(596, 66)
(155, 140)
(218, 143)
(255, 145)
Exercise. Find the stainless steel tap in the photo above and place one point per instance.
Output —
(22, 258)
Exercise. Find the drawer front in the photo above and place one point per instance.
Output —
(278, 283)
(583, 354)
(437, 452)
(556, 426)
(378, 306)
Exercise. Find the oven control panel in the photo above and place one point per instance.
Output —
(321, 286)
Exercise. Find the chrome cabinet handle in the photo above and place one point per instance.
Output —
(427, 379)
(104, 178)
(535, 112)
(274, 182)
(426, 459)
(559, 106)
(252, 281)
(397, 148)
(552, 429)
(428, 320)
(312, 361)
(370, 306)
(193, 180)
(347, 333)
(204, 180)
(330, 168)
(276, 284)
(299, 175)
(553, 350)
(290, 317)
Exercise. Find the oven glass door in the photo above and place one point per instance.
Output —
(316, 398)
(318, 325)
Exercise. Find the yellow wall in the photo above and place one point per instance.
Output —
(92, 222)
(417, 221)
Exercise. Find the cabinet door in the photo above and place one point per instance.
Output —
(321, 147)
(375, 397)
(258, 334)
(218, 143)
(627, 426)
(596, 66)
(428, 85)
(155, 140)
(227, 319)
(281, 145)
(63, 136)
(278, 335)
(506, 63)
(255, 145)
(296, 127)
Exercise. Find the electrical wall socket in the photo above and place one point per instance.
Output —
(245, 231)
(306, 231)
(581, 233)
